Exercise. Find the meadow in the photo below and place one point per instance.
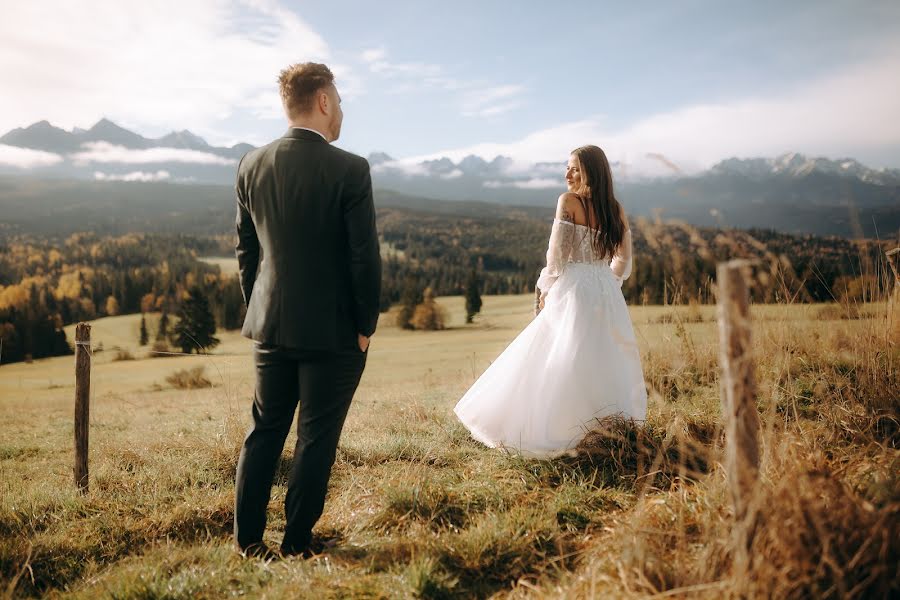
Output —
(422, 510)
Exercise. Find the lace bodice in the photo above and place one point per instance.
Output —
(571, 243)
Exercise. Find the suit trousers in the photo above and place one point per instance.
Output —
(323, 383)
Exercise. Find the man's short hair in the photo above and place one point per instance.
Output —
(299, 84)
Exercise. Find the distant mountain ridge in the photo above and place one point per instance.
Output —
(48, 138)
(798, 165)
(791, 192)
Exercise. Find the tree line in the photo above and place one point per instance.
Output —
(49, 282)
(673, 262)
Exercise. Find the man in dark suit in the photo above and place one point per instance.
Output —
(310, 273)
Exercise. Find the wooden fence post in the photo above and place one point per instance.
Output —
(738, 392)
(891, 256)
(82, 403)
(893, 303)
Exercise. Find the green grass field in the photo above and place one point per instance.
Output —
(423, 511)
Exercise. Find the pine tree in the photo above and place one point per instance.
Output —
(145, 337)
(473, 297)
(232, 306)
(163, 332)
(196, 326)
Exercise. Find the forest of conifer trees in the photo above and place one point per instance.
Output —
(49, 282)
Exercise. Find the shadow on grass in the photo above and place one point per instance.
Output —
(625, 454)
(494, 552)
(54, 562)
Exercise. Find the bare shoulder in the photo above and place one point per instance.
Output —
(568, 206)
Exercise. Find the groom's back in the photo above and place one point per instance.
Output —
(299, 192)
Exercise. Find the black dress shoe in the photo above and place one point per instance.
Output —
(259, 550)
(307, 551)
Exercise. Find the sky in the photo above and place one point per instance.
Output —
(695, 82)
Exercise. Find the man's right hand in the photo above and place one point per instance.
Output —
(363, 342)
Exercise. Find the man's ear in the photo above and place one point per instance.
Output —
(324, 103)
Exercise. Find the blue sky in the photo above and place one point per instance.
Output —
(695, 81)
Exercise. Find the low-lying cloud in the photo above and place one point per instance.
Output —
(536, 183)
(142, 176)
(26, 158)
(104, 152)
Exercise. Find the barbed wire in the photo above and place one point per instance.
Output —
(198, 354)
(94, 346)
(104, 331)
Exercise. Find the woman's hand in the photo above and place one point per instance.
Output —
(538, 301)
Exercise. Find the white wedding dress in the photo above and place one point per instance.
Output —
(577, 361)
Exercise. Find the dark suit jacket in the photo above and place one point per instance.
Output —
(307, 248)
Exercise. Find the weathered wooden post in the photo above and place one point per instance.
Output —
(893, 304)
(82, 403)
(738, 392)
(892, 259)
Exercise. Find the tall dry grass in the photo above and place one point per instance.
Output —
(421, 510)
(826, 512)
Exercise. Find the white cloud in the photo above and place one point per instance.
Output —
(133, 176)
(491, 101)
(104, 152)
(152, 64)
(412, 69)
(475, 98)
(454, 174)
(25, 158)
(377, 61)
(536, 183)
(552, 144)
(492, 111)
(373, 55)
(406, 167)
(843, 113)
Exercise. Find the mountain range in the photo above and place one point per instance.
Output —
(44, 136)
(790, 192)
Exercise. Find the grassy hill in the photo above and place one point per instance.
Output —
(421, 510)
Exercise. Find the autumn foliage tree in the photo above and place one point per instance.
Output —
(47, 282)
(429, 315)
(112, 306)
(30, 323)
(412, 296)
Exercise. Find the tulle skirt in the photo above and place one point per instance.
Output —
(576, 362)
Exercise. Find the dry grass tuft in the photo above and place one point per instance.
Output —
(817, 536)
(646, 454)
(123, 354)
(189, 379)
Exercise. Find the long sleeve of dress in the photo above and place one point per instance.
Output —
(621, 262)
(562, 239)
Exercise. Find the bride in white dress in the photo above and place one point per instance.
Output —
(578, 360)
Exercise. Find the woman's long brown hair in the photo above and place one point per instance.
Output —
(603, 211)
